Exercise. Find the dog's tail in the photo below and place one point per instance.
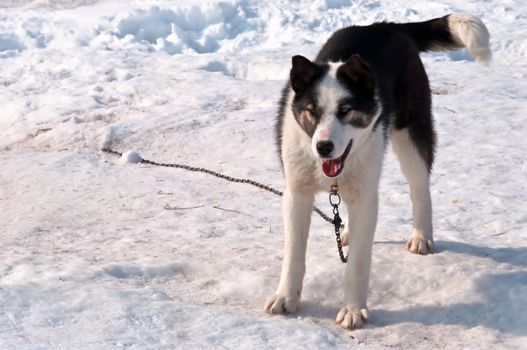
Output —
(451, 32)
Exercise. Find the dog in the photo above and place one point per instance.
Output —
(366, 87)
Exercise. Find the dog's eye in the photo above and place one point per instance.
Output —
(310, 108)
(344, 109)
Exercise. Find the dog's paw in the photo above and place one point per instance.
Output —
(419, 245)
(281, 304)
(352, 317)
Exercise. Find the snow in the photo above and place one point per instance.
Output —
(101, 253)
(131, 157)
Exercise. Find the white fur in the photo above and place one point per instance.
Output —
(330, 92)
(416, 172)
(297, 209)
(361, 198)
(471, 33)
(329, 128)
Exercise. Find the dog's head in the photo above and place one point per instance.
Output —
(336, 105)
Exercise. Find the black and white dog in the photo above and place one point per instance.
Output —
(367, 85)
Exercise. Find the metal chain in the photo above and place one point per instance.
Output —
(334, 200)
(221, 176)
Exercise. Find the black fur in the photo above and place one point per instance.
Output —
(430, 35)
(303, 78)
(279, 126)
(358, 77)
(305, 73)
(393, 67)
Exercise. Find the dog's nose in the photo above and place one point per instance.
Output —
(325, 148)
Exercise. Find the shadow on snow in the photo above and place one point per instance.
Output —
(501, 305)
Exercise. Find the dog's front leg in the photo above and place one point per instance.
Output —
(297, 208)
(362, 221)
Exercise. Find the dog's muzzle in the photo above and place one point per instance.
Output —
(333, 167)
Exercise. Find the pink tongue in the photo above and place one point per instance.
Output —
(331, 167)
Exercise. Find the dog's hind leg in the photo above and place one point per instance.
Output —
(297, 207)
(417, 172)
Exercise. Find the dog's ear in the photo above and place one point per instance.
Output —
(303, 73)
(358, 74)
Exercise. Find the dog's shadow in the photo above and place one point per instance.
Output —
(503, 308)
(501, 305)
(511, 256)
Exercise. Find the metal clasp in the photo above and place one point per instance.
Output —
(334, 198)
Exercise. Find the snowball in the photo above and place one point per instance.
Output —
(131, 157)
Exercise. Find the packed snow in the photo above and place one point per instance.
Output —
(100, 252)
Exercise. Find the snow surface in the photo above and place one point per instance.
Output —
(98, 253)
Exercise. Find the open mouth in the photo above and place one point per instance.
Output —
(333, 167)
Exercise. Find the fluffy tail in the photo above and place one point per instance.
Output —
(452, 32)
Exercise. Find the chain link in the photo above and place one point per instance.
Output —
(334, 200)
